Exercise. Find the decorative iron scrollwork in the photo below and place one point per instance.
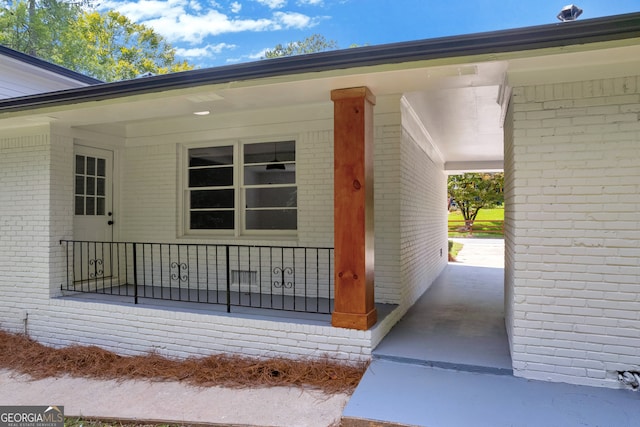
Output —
(282, 271)
(176, 275)
(96, 266)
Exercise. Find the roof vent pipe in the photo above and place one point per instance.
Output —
(569, 13)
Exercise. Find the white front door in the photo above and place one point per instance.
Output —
(93, 213)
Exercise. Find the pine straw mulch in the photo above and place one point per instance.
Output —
(26, 356)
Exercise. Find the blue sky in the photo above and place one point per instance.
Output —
(220, 32)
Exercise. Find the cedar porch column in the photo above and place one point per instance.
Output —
(353, 208)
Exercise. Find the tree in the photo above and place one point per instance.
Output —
(105, 45)
(312, 44)
(474, 191)
(36, 28)
(115, 48)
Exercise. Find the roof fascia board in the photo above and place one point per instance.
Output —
(618, 27)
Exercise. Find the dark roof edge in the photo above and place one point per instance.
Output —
(617, 27)
(47, 66)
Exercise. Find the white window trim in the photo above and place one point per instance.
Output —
(239, 231)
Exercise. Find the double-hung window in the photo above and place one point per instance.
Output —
(244, 188)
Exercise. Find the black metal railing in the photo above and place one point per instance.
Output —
(271, 277)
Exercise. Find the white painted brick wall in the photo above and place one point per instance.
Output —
(387, 201)
(573, 209)
(423, 249)
(148, 194)
(130, 329)
(510, 201)
(24, 225)
(61, 206)
(411, 215)
(315, 188)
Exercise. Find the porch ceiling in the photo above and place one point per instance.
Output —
(458, 105)
(460, 101)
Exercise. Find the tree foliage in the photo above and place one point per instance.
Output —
(107, 45)
(117, 48)
(312, 44)
(474, 191)
(36, 28)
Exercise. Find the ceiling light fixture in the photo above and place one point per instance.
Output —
(275, 163)
(202, 113)
(569, 13)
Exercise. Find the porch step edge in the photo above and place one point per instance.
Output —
(494, 370)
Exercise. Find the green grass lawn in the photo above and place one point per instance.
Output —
(494, 216)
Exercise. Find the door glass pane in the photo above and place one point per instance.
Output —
(91, 165)
(79, 205)
(100, 202)
(80, 164)
(279, 219)
(80, 185)
(91, 185)
(91, 181)
(101, 167)
(90, 206)
(100, 186)
(212, 220)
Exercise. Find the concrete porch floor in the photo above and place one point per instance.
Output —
(447, 364)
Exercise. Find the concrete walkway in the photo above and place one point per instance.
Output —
(481, 252)
(398, 394)
(458, 323)
(163, 402)
(447, 364)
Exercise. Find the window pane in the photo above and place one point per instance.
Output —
(260, 175)
(215, 177)
(90, 206)
(100, 206)
(91, 165)
(266, 152)
(100, 186)
(80, 185)
(211, 156)
(80, 164)
(203, 199)
(281, 219)
(212, 220)
(101, 167)
(271, 197)
(79, 205)
(91, 185)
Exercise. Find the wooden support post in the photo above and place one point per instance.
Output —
(353, 209)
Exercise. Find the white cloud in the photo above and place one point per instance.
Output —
(205, 51)
(236, 7)
(310, 2)
(195, 5)
(178, 22)
(273, 4)
(294, 20)
(145, 9)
